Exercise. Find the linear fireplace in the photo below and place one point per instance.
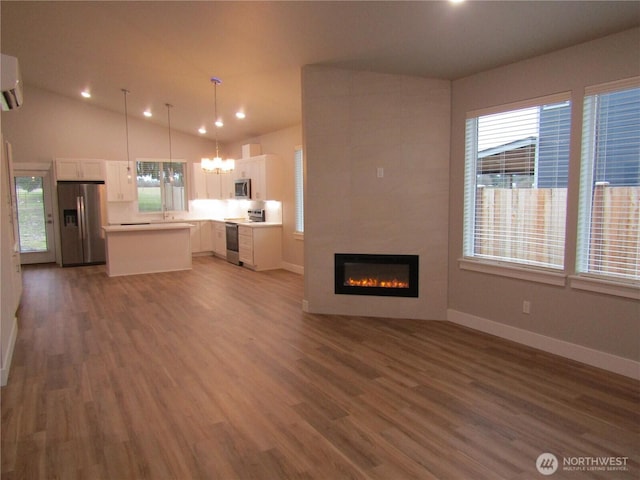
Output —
(382, 275)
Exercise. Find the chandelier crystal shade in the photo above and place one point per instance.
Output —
(217, 164)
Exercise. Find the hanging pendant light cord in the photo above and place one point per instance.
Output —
(169, 122)
(125, 92)
(215, 82)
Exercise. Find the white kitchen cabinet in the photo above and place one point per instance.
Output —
(206, 236)
(206, 185)
(265, 172)
(219, 239)
(120, 188)
(201, 237)
(196, 246)
(245, 245)
(260, 248)
(79, 169)
(227, 189)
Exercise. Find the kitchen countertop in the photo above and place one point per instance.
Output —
(146, 226)
(259, 224)
(168, 224)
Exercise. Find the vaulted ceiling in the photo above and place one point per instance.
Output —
(166, 52)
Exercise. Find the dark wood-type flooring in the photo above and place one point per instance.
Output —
(217, 373)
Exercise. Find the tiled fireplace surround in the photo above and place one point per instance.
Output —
(377, 153)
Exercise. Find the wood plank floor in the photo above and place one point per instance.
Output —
(217, 373)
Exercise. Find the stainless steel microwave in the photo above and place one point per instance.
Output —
(243, 188)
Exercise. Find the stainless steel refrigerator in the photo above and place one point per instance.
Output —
(82, 210)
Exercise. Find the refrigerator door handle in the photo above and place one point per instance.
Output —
(81, 219)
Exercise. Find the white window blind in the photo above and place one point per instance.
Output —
(516, 183)
(299, 190)
(609, 210)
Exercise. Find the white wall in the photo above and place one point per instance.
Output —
(591, 323)
(354, 123)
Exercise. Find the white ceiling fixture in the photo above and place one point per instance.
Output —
(217, 164)
(85, 93)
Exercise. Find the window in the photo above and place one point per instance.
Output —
(516, 170)
(299, 190)
(161, 186)
(609, 211)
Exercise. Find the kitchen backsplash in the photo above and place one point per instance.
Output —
(127, 212)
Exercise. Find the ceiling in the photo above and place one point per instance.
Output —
(167, 52)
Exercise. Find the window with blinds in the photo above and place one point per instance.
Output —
(516, 171)
(609, 209)
(161, 186)
(299, 190)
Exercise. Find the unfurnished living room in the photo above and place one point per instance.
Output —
(320, 240)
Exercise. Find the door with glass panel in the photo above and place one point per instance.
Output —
(35, 216)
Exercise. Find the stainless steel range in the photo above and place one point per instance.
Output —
(231, 230)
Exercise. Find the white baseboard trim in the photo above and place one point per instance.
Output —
(292, 267)
(595, 358)
(8, 355)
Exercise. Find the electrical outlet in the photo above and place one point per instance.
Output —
(380, 172)
(526, 307)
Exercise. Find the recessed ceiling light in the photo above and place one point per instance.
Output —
(86, 94)
(240, 115)
(219, 123)
(202, 130)
(147, 113)
(456, 1)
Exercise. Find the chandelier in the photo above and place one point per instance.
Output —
(217, 164)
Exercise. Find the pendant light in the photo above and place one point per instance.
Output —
(217, 164)
(171, 172)
(125, 92)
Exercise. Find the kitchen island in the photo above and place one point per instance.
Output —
(148, 248)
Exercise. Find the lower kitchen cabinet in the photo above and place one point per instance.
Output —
(260, 247)
(219, 239)
(202, 237)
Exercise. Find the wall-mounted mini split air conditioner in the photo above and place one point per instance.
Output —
(10, 83)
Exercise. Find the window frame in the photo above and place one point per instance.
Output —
(503, 267)
(162, 162)
(583, 278)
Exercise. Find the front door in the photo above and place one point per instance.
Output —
(35, 216)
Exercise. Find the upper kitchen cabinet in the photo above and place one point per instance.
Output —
(205, 185)
(217, 186)
(265, 172)
(119, 187)
(79, 169)
(227, 186)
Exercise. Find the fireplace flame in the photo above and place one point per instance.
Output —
(374, 282)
